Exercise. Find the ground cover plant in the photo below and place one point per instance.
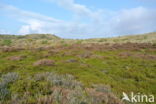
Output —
(45, 69)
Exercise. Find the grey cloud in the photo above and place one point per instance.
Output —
(133, 21)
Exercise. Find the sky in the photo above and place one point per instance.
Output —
(78, 19)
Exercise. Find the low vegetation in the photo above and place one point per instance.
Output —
(45, 69)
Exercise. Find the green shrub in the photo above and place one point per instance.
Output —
(4, 93)
(6, 79)
(9, 77)
(44, 42)
(7, 42)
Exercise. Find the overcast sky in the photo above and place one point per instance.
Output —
(78, 18)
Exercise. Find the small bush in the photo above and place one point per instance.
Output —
(44, 62)
(44, 42)
(7, 42)
(71, 61)
(52, 88)
(4, 93)
(9, 78)
(5, 81)
(16, 58)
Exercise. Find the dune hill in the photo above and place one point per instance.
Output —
(46, 69)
